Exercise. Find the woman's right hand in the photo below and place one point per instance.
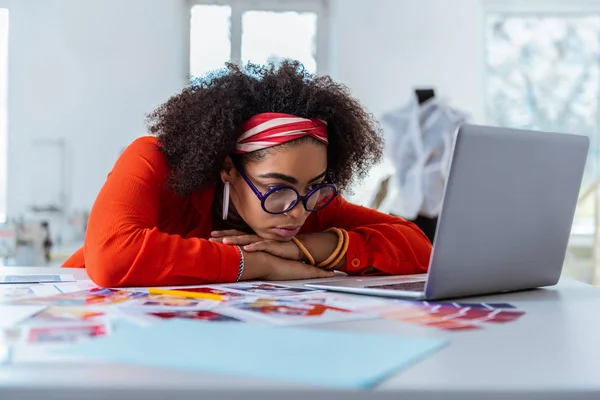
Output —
(260, 265)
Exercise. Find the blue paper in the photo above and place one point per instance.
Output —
(314, 357)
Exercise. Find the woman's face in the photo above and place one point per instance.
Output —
(301, 166)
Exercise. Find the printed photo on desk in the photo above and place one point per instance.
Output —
(162, 303)
(9, 292)
(91, 297)
(448, 316)
(217, 290)
(65, 315)
(284, 311)
(33, 343)
(265, 288)
(151, 316)
(64, 333)
(198, 315)
(341, 300)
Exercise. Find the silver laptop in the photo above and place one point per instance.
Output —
(506, 218)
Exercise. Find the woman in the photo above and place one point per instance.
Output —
(240, 181)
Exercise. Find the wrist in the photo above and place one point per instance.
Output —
(302, 253)
(255, 265)
(320, 245)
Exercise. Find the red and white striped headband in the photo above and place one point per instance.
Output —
(272, 129)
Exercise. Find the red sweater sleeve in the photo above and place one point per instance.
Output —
(123, 246)
(379, 243)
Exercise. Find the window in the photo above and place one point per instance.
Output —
(542, 73)
(296, 37)
(210, 22)
(258, 31)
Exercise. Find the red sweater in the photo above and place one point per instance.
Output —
(141, 233)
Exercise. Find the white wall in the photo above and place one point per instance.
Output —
(383, 49)
(88, 72)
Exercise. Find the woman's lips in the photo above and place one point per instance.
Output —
(288, 231)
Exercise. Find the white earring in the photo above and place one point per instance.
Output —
(225, 200)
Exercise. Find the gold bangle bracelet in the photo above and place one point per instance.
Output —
(342, 252)
(304, 250)
(334, 254)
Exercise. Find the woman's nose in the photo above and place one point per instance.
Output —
(298, 212)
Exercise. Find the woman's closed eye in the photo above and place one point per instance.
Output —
(276, 185)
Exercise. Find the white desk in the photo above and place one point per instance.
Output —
(552, 352)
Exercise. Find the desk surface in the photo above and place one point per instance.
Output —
(553, 352)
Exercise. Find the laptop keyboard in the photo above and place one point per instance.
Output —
(408, 286)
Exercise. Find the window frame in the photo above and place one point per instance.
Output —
(540, 7)
(239, 7)
(4, 128)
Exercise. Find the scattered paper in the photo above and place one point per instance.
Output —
(72, 287)
(162, 303)
(200, 315)
(9, 292)
(287, 311)
(11, 315)
(36, 278)
(342, 300)
(91, 297)
(314, 357)
(56, 315)
(448, 316)
(228, 295)
(265, 288)
(37, 318)
(42, 290)
(65, 333)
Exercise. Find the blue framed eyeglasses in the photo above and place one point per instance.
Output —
(281, 199)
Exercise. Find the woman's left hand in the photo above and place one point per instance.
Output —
(252, 243)
(234, 237)
(320, 245)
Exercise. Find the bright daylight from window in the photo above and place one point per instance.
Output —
(296, 38)
(210, 46)
(542, 74)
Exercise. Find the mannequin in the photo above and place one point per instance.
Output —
(426, 224)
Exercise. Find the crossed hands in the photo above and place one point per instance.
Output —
(269, 259)
(253, 243)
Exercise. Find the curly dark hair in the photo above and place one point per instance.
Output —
(198, 127)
